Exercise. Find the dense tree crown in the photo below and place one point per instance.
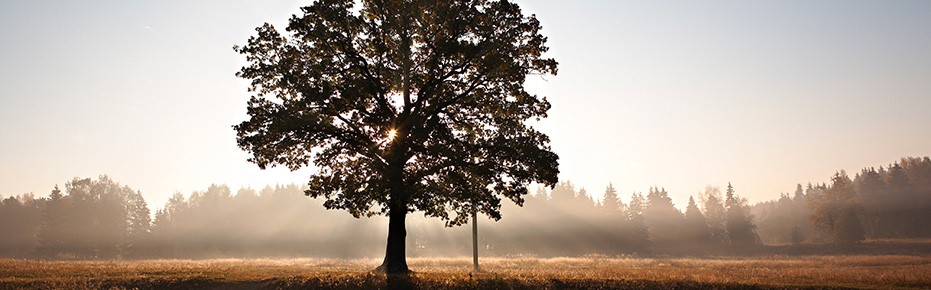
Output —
(405, 104)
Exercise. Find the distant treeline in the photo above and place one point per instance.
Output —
(101, 219)
(888, 202)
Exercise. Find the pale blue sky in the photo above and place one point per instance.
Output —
(680, 94)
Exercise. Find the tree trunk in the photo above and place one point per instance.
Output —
(396, 251)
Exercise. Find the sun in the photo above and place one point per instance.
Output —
(391, 134)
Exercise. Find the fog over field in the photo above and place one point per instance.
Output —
(594, 144)
(98, 218)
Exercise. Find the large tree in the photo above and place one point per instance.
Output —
(402, 106)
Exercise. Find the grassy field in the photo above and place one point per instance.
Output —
(452, 273)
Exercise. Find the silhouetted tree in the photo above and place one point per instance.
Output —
(402, 106)
(716, 214)
(51, 230)
(837, 211)
(94, 219)
(110, 223)
(918, 171)
(876, 204)
(639, 233)
(564, 192)
(697, 224)
(904, 201)
(662, 218)
(80, 222)
(20, 217)
(918, 209)
(139, 223)
(613, 207)
(583, 199)
(801, 227)
(166, 228)
(777, 222)
(739, 224)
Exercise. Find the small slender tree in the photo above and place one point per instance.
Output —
(402, 106)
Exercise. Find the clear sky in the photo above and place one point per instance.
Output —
(678, 94)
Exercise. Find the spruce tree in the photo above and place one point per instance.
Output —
(739, 224)
(697, 223)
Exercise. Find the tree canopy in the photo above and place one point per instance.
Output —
(445, 81)
(402, 106)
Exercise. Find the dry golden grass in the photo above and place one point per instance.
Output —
(508, 273)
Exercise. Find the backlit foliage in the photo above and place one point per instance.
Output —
(447, 80)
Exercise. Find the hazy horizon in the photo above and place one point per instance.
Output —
(760, 94)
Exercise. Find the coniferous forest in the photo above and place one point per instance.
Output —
(103, 219)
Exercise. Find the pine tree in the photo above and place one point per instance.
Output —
(139, 224)
(801, 228)
(837, 212)
(171, 226)
(51, 231)
(715, 213)
(739, 224)
(902, 202)
(871, 190)
(639, 234)
(697, 223)
(662, 218)
(612, 204)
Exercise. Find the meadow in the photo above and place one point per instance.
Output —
(593, 272)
